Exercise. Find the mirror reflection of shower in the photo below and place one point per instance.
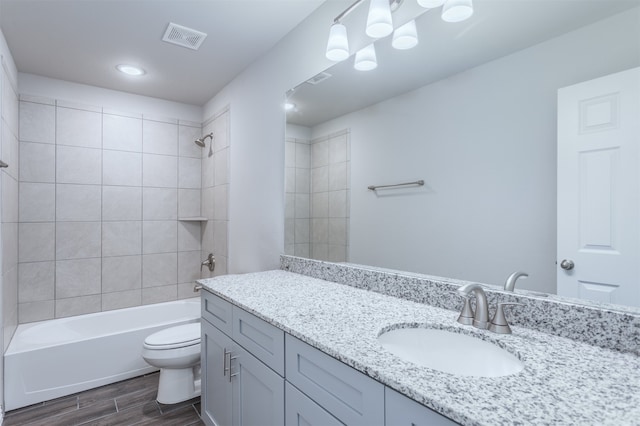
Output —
(200, 142)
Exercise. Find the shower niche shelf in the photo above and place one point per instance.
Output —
(193, 219)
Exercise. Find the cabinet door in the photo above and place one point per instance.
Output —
(403, 411)
(216, 389)
(301, 411)
(258, 392)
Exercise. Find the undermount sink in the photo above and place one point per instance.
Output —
(450, 352)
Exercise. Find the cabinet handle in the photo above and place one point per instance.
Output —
(224, 362)
(229, 370)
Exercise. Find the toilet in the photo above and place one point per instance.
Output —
(176, 352)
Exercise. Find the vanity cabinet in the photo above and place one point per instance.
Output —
(403, 411)
(255, 374)
(237, 387)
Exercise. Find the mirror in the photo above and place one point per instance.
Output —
(472, 111)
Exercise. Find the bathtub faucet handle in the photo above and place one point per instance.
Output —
(209, 262)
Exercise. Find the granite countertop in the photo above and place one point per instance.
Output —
(563, 382)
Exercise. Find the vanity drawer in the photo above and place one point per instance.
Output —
(217, 311)
(301, 411)
(260, 338)
(347, 394)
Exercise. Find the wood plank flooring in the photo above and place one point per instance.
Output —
(130, 402)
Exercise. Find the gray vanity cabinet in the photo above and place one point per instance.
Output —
(238, 388)
(300, 410)
(403, 411)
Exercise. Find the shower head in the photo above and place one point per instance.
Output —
(200, 141)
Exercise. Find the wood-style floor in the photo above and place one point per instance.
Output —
(130, 402)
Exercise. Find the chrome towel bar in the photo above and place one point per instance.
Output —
(374, 187)
(3, 164)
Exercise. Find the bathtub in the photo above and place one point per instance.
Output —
(59, 357)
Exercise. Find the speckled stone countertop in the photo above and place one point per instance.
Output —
(563, 382)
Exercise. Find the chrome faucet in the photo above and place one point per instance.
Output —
(510, 284)
(481, 316)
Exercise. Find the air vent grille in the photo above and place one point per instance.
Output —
(319, 78)
(183, 36)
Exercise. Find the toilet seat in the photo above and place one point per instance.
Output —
(180, 336)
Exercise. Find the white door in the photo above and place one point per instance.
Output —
(599, 189)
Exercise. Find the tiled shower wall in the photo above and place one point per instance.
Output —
(101, 197)
(215, 192)
(317, 187)
(9, 153)
(297, 197)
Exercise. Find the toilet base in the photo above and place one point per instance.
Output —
(177, 385)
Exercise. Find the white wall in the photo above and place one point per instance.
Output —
(485, 143)
(257, 124)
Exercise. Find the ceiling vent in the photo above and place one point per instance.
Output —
(183, 36)
(317, 79)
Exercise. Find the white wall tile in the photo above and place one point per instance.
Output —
(290, 154)
(302, 206)
(37, 162)
(320, 230)
(189, 267)
(78, 128)
(37, 122)
(121, 273)
(159, 236)
(37, 202)
(302, 231)
(78, 277)
(290, 206)
(159, 269)
(36, 281)
(186, 141)
(78, 240)
(36, 311)
(208, 173)
(121, 133)
(188, 236)
(320, 204)
(320, 179)
(78, 165)
(303, 153)
(122, 168)
(338, 231)
(337, 253)
(302, 181)
(37, 241)
(159, 171)
(188, 202)
(338, 204)
(159, 204)
(220, 200)
(159, 138)
(320, 154)
(338, 149)
(189, 174)
(10, 247)
(289, 231)
(289, 179)
(159, 294)
(185, 291)
(10, 198)
(78, 202)
(121, 299)
(121, 238)
(220, 235)
(121, 203)
(221, 167)
(337, 176)
(78, 306)
(207, 203)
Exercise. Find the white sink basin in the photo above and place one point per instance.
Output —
(450, 352)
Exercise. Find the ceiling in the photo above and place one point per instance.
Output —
(83, 40)
(496, 29)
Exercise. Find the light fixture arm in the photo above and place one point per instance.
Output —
(347, 11)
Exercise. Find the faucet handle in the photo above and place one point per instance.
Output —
(466, 315)
(499, 322)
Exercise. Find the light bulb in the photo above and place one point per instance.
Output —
(405, 37)
(379, 22)
(366, 59)
(457, 10)
(430, 4)
(130, 70)
(338, 44)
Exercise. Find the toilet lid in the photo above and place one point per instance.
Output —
(174, 337)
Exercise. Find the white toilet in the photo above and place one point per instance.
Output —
(176, 351)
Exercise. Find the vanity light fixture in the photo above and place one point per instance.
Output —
(457, 10)
(380, 24)
(366, 59)
(405, 37)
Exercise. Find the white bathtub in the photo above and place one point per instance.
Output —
(54, 358)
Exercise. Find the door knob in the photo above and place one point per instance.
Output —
(567, 265)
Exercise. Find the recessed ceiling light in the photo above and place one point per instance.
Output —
(130, 70)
